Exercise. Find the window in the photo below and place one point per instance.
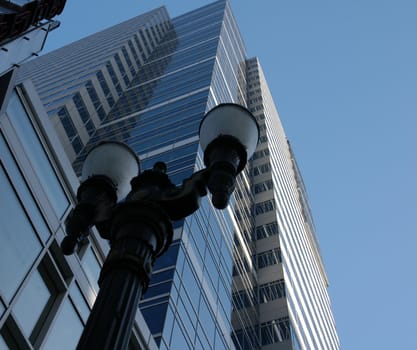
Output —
(95, 100)
(35, 151)
(266, 230)
(135, 56)
(275, 331)
(70, 130)
(261, 153)
(23, 192)
(128, 60)
(271, 291)
(66, 329)
(19, 245)
(263, 139)
(3, 344)
(264, 207)
(154, 316)
(122, 69)
(261, 169)
(79, 302)
(242, 299)
(263, 186)
(105, 87)
(268, 258)
(114, 78)
(83, 112)
(35, 302)
(246, 339)
(91, 267)
(31, 302)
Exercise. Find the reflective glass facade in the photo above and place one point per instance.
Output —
(248, 277)
(92, 74)
(45, 298)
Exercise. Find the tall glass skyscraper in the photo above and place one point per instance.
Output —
(248, 277)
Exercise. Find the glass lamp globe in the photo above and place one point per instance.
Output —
(115, 160)
(230, 119)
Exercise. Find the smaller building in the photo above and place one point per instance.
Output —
(45, 298)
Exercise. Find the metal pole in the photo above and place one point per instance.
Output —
(138, 229)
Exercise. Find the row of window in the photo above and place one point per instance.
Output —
(95, 100)
(271, 291)
(271, 332)
(256, 99)
(262, 294)
(83, 112)
(264, 207)
(268, 258)
(259, 107)
(261, 169)
(128, 61)
(260, 117)
(275, 331)
(266, 230)
(262, 260)
(121, 68)
(253, 92)
(255, 84)
(69, 127)
(262, 127)
(114, 78)
(263, 139)
(259, 208)
(262, 231)
(105, 87)
(263, 186)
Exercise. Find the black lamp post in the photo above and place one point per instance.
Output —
(139, 227)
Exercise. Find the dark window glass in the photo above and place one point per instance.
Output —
(95, 100)
(114, 78)
(105, 88)
(264, 207)
(168, 258)
(275, 331)
(83, 112)
(122, 69)
(268, 258)
(267, 230)
(271, 291)
(128, 60)
(155, 317)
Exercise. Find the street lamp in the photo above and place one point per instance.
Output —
(138, 223)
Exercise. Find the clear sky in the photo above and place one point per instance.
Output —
(344, 78)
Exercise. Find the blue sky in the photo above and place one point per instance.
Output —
(344, 78)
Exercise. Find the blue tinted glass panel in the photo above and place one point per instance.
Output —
(31, 302)
(91, 268)
(19, 245)
(155, 317)
(66, 329)
(3, 345)
(168, 258)
(23, 191)
(37, 155)
(79, 301)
